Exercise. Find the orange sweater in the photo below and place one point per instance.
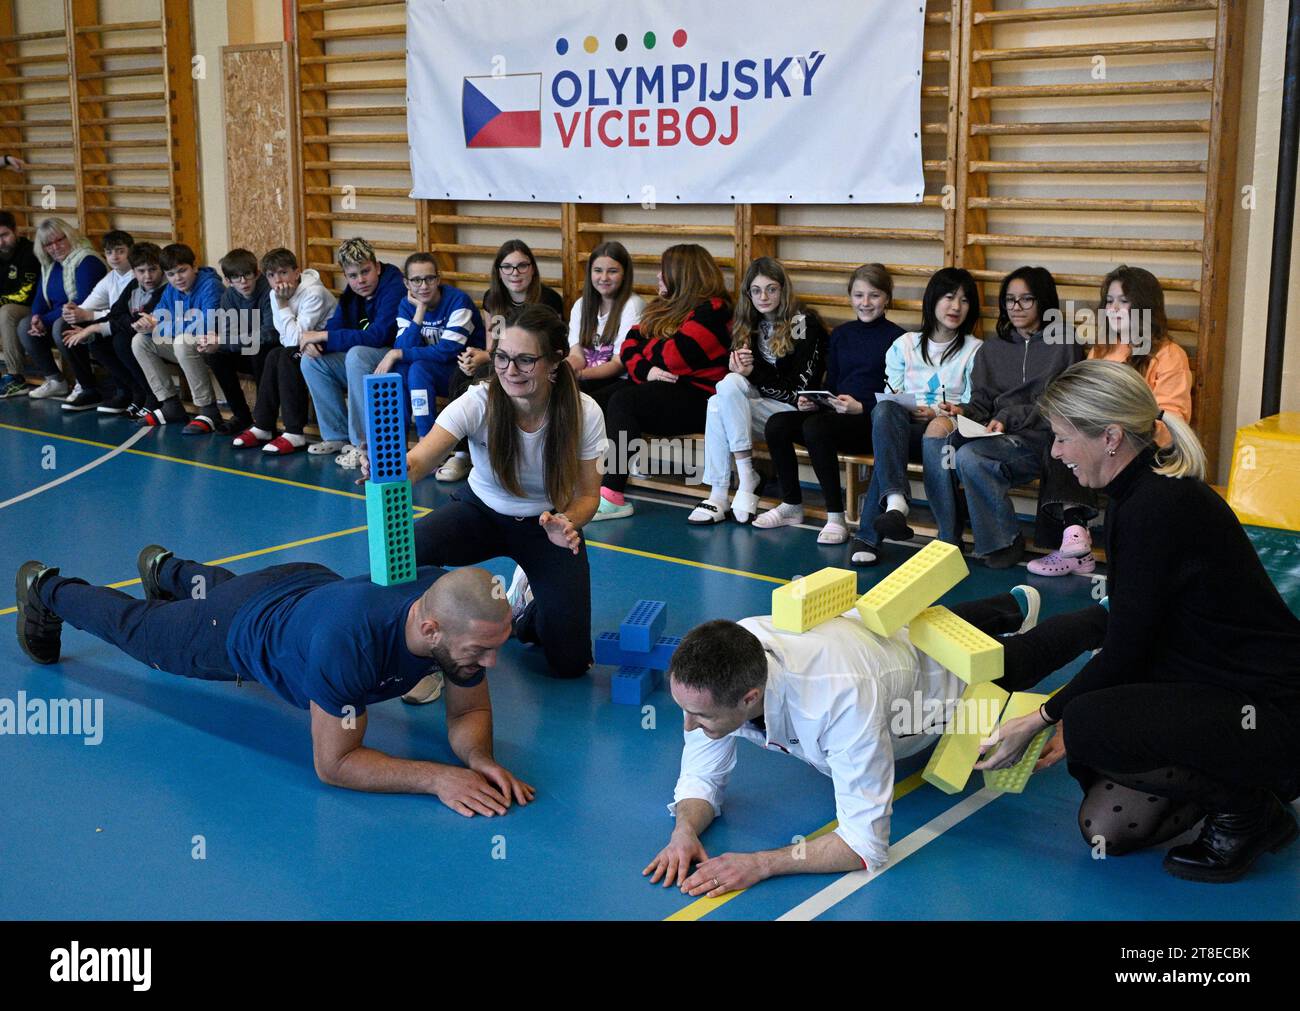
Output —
(1169, 376)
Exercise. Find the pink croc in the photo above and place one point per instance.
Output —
(1057, 564)
(1076, 542)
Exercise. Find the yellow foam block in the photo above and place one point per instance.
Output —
(957, 644)
(1264, 485)
(912, 587)
(809, 600)
(1014, 778)
(971, 721)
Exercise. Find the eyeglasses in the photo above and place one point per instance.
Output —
(54, 241)
(516, 268)
(424, 281)
(523, 363)
(770, 291)
(1023, 302)
(232, 278)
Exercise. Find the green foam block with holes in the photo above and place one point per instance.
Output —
(1014, 778)
(391, 532)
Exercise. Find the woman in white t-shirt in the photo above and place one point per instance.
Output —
(607, 295)
(536, 443)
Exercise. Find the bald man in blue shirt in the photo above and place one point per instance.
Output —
(321, 642)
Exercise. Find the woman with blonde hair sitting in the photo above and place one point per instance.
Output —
(1192, 707)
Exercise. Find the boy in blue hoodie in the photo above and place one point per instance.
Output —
(353, 342)
(172, 333)
(435, 323)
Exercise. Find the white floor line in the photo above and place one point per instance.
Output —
(845, 886)
(80, 470)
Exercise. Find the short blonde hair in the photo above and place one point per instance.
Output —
(1093, 395)
(354, 252)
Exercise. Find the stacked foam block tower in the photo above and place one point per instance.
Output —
(639, 650)
(389, 518)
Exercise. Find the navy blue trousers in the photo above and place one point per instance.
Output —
(186, 636)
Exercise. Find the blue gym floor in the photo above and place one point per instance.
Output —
(107, 832)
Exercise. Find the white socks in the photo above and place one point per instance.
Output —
(788, 511)
(835, 518)
(289, 437)
(745, 471)
(896, 502)
(263, 434)
(718, 494)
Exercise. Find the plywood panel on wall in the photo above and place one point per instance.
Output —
(261, 146)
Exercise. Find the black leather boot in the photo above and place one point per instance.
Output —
(1229, 844)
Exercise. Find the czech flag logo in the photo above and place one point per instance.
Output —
(503, 111)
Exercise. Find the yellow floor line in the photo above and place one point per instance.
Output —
(239, 558)
(703, 907)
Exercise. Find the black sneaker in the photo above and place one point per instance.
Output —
(39, 628)
(82, 401)
(147, 563)
(121, 404)
(1005, 558)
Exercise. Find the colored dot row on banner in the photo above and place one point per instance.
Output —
(591, 44)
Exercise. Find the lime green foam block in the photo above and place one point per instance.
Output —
(971, 721)
(391, 532)
(957, 644)
(1014, 778)
(912, 587)
(810, 600)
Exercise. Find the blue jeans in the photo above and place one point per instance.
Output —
(41, 349)
(893, 436)
(338, 391)
(988, 469)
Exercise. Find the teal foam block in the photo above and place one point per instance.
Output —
(391, 532)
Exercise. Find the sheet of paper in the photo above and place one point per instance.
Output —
(908, 400)
(972, 429)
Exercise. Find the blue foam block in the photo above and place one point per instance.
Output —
(643, 625)
(630, 686)
(386, 427)
(609, 652)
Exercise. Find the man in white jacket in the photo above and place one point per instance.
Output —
(839, 697)
(299, 302)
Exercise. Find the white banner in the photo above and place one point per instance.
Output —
(666, 101)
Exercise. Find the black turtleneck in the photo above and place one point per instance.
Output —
(1189, 598)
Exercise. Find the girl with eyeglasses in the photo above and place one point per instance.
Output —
(1011, 371)
(674, 358)
(855, 373)
(778, 347)
(514, 282)
(934, 365)
(600, 320)
(1133, 329)
(536, 443)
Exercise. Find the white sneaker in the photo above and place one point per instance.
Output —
(349, 458)
(50, 388)
(426, 690)
(325, 447)
(455, 469)
(520, 594)
(76, 392)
